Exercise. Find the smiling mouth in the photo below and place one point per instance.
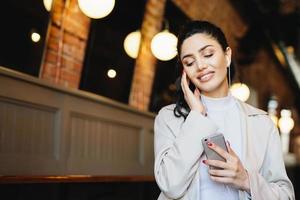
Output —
(206, 77)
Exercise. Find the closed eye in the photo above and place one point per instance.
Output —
(189, 64)
(208, 55)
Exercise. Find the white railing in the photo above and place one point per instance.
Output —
(50, 130)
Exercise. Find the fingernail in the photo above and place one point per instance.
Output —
(209, 144)
(204, 161)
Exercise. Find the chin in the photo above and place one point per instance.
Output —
(210, 87)
(207, 90)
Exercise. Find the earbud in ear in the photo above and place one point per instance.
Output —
(228, 61)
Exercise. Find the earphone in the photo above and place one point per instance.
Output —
(229, 76)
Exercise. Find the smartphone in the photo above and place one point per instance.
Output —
(217, 139)
(192, 86)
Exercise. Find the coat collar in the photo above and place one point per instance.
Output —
(246, 108)
(250, 110)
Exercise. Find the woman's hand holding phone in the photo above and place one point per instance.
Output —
(232, 171)
(192, 98)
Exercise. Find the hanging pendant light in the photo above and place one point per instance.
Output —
(240, 91)
(286, 123)
(111, 73)
(96, 9)
(47, 4)
(35, 37)
(163, 45)
(132, 43)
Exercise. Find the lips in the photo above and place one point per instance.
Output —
(204, 77)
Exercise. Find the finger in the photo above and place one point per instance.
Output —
(186, 77)
(230, 150)
(183, 79)
(222, 179)
(219, 150)
(222, 172)
(217, 163)
(187, 80)
(185, 84)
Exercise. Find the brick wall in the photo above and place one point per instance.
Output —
(144, 71)
(196, 9)
(265, 77)
(67, 40)
(220, 12)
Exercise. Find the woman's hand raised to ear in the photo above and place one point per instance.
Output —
(192, 98)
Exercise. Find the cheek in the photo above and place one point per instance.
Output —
(221, 67)
(219, 61)
(189, 71)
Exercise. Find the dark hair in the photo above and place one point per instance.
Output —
(192, 27)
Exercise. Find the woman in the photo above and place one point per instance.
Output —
(254, 167)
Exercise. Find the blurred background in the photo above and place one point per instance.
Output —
(82, 80)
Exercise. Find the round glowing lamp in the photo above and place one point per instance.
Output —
(240, 91)
(285, 123)
(111, 73)
(163, 45)
(96, 9)
(47, 4)
(132, 43)
(35, 37)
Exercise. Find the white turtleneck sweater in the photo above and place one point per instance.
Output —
(224, 113)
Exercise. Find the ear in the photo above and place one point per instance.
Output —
(228, 55)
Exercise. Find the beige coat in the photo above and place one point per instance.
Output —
(178, 149)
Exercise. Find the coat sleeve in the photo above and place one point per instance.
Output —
(272, 183)
(177, 157)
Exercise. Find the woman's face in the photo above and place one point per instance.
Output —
(206, 63)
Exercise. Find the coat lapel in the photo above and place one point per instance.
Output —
(248, 158)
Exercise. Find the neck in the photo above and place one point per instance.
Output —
(221, 92)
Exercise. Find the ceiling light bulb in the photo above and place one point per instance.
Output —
(47, 4)
(132, 43)
(240, 91)
(96, 8)
(111, 73)
(35, 37)
(163, 45)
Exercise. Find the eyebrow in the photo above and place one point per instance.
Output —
(201, 49)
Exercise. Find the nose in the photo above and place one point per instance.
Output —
(200, 64)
